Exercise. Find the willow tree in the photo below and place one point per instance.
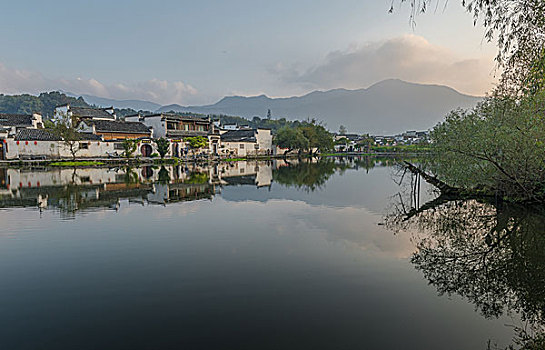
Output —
(498, 147)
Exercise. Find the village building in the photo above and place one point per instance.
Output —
(11, 123)
(84, 113)
(176, 128)
(43, 144)
(247, 142)
(115, 129)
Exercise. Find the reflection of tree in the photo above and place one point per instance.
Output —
(492, 255)
(164, 175)
(131, 177)
(306, 174)
(197, 178)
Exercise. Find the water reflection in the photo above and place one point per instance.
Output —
(71, 190)
(274, 255)
(490, 253)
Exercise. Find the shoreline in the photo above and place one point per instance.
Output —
(107, 162)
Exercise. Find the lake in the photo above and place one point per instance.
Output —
(259, 255)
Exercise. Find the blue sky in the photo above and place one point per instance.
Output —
(192, 52)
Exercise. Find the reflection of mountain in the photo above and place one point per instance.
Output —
(492, 255)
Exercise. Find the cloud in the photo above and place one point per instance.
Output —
(15, 81)
(409, 57)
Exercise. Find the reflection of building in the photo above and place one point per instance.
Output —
(72, 190)
(245, 173)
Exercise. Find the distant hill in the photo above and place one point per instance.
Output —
(388, 107)
(44, 103)
(137, 105)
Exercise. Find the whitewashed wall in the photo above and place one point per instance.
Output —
(58, 149)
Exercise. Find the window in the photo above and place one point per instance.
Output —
(83, 145)
(241, 146)
(118, 146)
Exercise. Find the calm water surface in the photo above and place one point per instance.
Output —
(238, 256)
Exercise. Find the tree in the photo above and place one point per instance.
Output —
(129, 147)
(342, 130)
(164, 175)
(197, 142)
(319, 138)
(497, 148)
(163, 146)
(366, 142)
(269, 114)
(291, 139)
(63, 127)
(343, 141)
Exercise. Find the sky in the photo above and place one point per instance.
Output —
(196, 52)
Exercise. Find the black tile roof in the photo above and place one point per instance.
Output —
(90, 137)
(239, 136)
(7, 119)
(119, 126)
(87, 112)
(46, 135)
(177, 117)
(36, 135)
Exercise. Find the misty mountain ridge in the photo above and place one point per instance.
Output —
(137, 105)
(387, 107)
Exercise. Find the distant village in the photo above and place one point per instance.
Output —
(359, 143)
(101, 134)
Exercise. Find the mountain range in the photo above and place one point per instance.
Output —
(387, 107)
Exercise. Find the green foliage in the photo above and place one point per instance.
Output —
(129, 147)
(291, 138)
(197, 142)
(163, 146)
(44, 104)
(307, 136)
(498, 146)
(317, 136)
(342, 141)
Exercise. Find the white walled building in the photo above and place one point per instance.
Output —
(83, 113)
(247, 142)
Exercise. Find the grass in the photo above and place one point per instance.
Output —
(76, 163)
(233, 159)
